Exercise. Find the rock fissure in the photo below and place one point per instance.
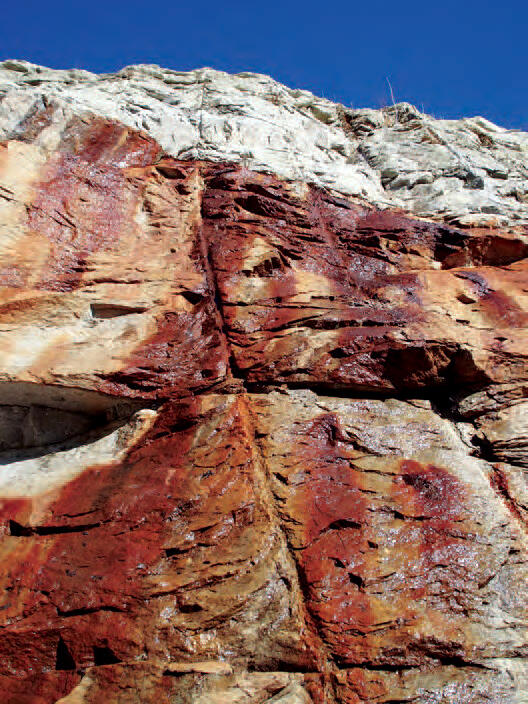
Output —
(327, 664)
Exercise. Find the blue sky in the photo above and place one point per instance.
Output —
(451, 58)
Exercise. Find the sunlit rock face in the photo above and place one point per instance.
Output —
(264, 403)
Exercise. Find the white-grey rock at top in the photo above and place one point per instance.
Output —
(466, 172)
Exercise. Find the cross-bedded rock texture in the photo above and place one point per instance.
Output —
(261, 440)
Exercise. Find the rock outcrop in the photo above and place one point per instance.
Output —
(264, 396)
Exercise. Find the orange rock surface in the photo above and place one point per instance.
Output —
(261, 443)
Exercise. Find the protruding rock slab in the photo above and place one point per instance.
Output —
(390, 519)
(319, 291)
(173, 552)
(104, 282)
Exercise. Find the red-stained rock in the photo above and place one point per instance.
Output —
(386, 534)
(261, 442)
(111, 256)
(317, 290)
(156, 555)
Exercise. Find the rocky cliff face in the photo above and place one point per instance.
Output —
(264, 387)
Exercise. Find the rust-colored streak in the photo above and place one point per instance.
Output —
(327, 517)
(291, 267)
(79, 207)
(75, 231)
(499, 482)
(188, 350)
(85, 200)
(376, 555)
(503, 311)
(111, 144)
(445, 554)
(186, 353)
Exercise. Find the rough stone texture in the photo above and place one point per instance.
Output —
(261, 440)
(468, 171)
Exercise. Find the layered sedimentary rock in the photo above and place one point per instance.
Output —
(263, 396)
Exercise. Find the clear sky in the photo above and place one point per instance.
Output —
(450, 58)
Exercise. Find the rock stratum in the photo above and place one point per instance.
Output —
(264, 396)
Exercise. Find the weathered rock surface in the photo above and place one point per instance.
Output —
(264, 431)
(469, 171)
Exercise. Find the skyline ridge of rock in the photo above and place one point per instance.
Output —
(467, 171)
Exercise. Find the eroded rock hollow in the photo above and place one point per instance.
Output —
(264, 396)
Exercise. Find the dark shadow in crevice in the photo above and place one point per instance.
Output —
(104, 311)
(94, 427)
(64, 659)
(100, 428)
(19, 531)
(104, 656)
